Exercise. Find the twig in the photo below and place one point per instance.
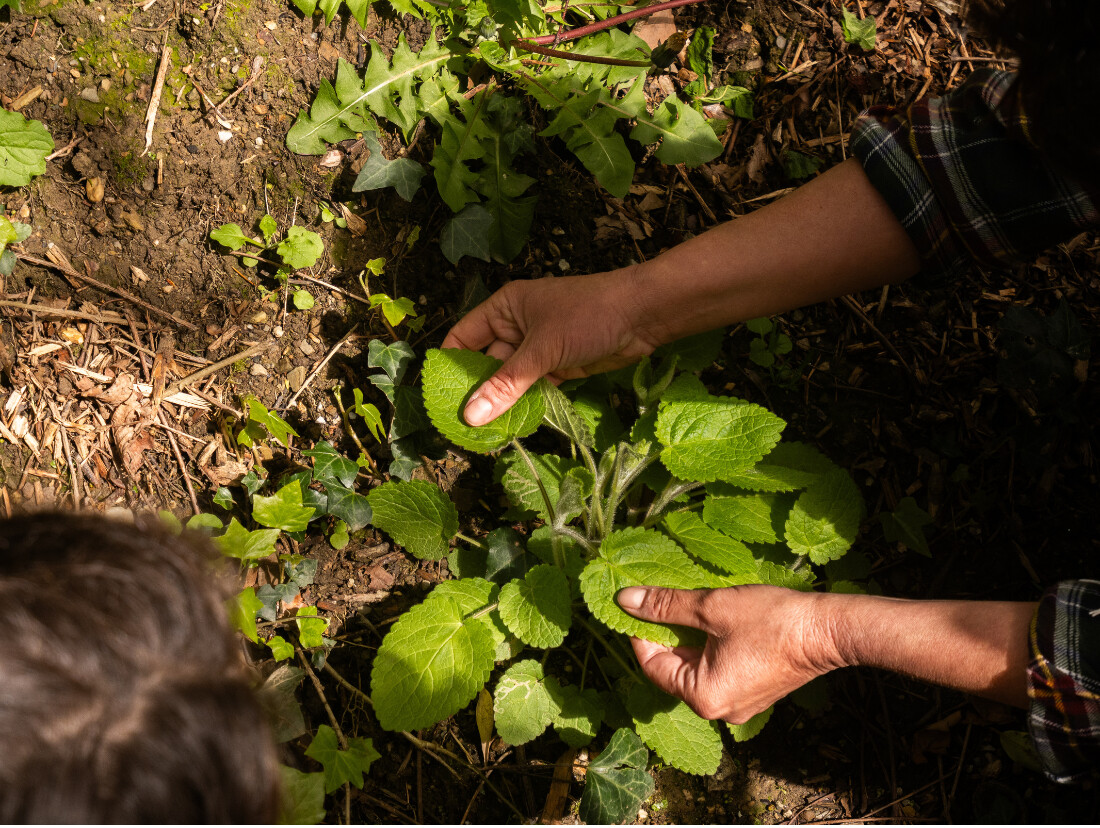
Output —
(69, 270)
(213, 368)
(65, 150)
(341, 738)
(74, 472)
(854, 307)
(105, 318)
(302, 278)
(706, 207)
(257, 67)
(183, 466)
(158, 89)
(321, 365)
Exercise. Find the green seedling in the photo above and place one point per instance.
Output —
(769, 343)
(298, 249)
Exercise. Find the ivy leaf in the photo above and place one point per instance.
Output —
(417, 515)
(302, 795)
(311, 627)
(720, 551)
(395, 310)
(301, 248)
(394, 359)
(906, 525)
(238, 542)
(522, 704)
(279, 702)
(242, 612)
(341, 766)
(430, 665)
(637, 557)
(859, 32)
(715, 438)
(580, 714)
(450, 376)
(467, 234)
(617, 782)
(787, 467)
(349, 506)
(280, 647)
(24, 146)
(744, 732)
(505, 558)
(674, 730)
(330, 467)
(283, 510)
(536, 608)
(825, 519)
(403, 174)
(275, 425)
(231, 236)
(562, 415)
(751, 518)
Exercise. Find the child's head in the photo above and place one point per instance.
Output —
(122, 696)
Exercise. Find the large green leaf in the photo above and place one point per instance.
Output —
(752, 518)
(562, 415)
(450, 376)
(715, 438)
(825, 519)
(300, 248)
(468, 234)
(522, 704)
(502, 186)
(579, 716)
(403, 174)
(341, 766)
(536, 607)
(283, 510)
(787, 467)
(24, 146)
(720, 551)
(301, 797)
(430, 665)
(522, 487)
(386, 89)
(617, 782)
(417, 515)
(684, 134)
(393, 358)
(906, 525)
(638, 557)
(674, 730)
(477, 598)
(744, 732)
(463, 141)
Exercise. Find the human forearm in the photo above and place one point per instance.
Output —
(833, 236)
(979, 647)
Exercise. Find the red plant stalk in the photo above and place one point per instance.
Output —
(592, 28)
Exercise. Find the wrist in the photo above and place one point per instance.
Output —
(836, 630)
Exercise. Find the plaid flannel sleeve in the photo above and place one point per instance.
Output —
(964, 178)
(1064, 680)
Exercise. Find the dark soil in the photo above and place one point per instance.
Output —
(908, 389)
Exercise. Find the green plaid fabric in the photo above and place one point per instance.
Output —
(967, 182)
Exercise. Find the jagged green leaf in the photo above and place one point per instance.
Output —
(637, 557)
(24, 146)
(522, 488)
(329, 466)
(341, 766)
(403, 174)
(562, 415)
(753, 518)
(522, 705)
(238, 542)
(674, 730)
(715, 438)
(744, 732)
(311, 627)
(684, 134)
(500, 184)
(859, 32)
(579, 716)
(417, 515)
(617, 783)
(430, 665)
(242, 611)
(284, 509)
(713, 548)
(450, 376)
(536, 607)
(476, 597)
(467, 234)
(505, 556)
(787, 467)
(464, 140)
(824, 521)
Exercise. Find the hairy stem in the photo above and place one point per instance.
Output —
(672, 490)
(472, 541)
(611, 651)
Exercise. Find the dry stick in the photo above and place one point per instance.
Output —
(257, 67)
(321, 365)
(853, 306)
(213, 368)
(65, 150)
(68, 270)
(158, 89)
(706, 207)
(592, 28)
(74, 472)
(107, 318)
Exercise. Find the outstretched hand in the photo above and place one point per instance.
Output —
(763, 642)
(561, 328)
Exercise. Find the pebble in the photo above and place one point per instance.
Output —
(296, 378)
(258, 370)
(93, 188)
(105, 85)
(258, 318)
(278, 331)
(89, 94)
(306, 348)
(133, 221)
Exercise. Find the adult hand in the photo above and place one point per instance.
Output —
(763, 642)
(561, 328)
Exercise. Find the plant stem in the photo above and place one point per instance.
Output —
(531, 46)
(592, 28)
(248, 255)
(542, 489)
(672, 490)
(611, 651)
(619, 487)
(328, 668)
(570, 532)
(471, 541)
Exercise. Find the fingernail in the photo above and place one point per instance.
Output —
(478, 411)
(631, 598)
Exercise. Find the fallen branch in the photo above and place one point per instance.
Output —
(158, 90)
(213, 368)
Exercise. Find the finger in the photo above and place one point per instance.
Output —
(666, 606)
(501, 350)
(673, 669)
(473, 331)
(500, 392)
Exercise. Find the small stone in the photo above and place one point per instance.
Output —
(563, 265)
(224, 135)
(278, 331)
(193, 149)
(133, 221)
(89, 94)
(149, 183)
(258, 370)
(296, 377)
(258, 318)
(284, 365)
(105, 85)
(306, 347)
(93, 188)
(271, 25)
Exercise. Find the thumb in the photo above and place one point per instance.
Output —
(666, 606)
(500, 392)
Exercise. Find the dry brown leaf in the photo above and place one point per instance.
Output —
(758, 160)
(225, 474)
(656, 28)
(117, 393)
